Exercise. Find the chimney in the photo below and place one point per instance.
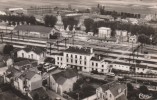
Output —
(91, 50)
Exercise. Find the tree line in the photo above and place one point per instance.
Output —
(69, 21)
(116, 14)
(13, 19)
(49, 20)
(114, 25)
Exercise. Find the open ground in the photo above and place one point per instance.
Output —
(133, 6)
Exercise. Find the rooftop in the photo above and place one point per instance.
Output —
(37, 50)
(27, 74)
(114, 87)
(62, 76)
(34, 28)
(97, 58)
(85, 51)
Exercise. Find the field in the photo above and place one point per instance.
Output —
(135, 6)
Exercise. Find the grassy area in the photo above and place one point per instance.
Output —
(135, 6)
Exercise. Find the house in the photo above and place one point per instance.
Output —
(122, 35)
(23, 80)
(17, 69)
(133, 39)
(35, 53)
(104, 32)
(28, 81)
(63, 81)
(33, 31)
(112, 91)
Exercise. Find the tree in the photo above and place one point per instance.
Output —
(7, 49)
(130, 87)
(50, 20)
(36, 96)
(88, 24)
(143, 89)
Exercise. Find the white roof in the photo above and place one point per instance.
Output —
(105, 28)
(13, 9)
(2, 13)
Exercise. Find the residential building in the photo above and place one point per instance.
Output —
(28, 81)
(24, 80)
(33, 31)
(104, 32)
(112, 91)
(35, 53)
(122, 35)
(63, 81)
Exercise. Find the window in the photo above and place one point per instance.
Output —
(75, 56)
(80, 57)
(22, 55)
(84, 67)
(28, 56)
(67, 60)
(80, 62)
(61, 59)
(110, 95)
(96, 64)
(71, 56)
(76, 61)
(58, 63)
(85, 63)
(71, 61)
(61, 63)
(92, 63)
(85, 58)
(66, 55)
(102, 65)
(57, 58)
(102, 70)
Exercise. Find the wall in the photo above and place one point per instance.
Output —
(36, 82)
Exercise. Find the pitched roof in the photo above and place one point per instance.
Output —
(22, 63)
(33, 28)
(37, 50)
(62, 76)
(78, 50)
(27, 74)
(113, 87)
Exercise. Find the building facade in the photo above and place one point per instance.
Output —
(112, 91)
(104, 32)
